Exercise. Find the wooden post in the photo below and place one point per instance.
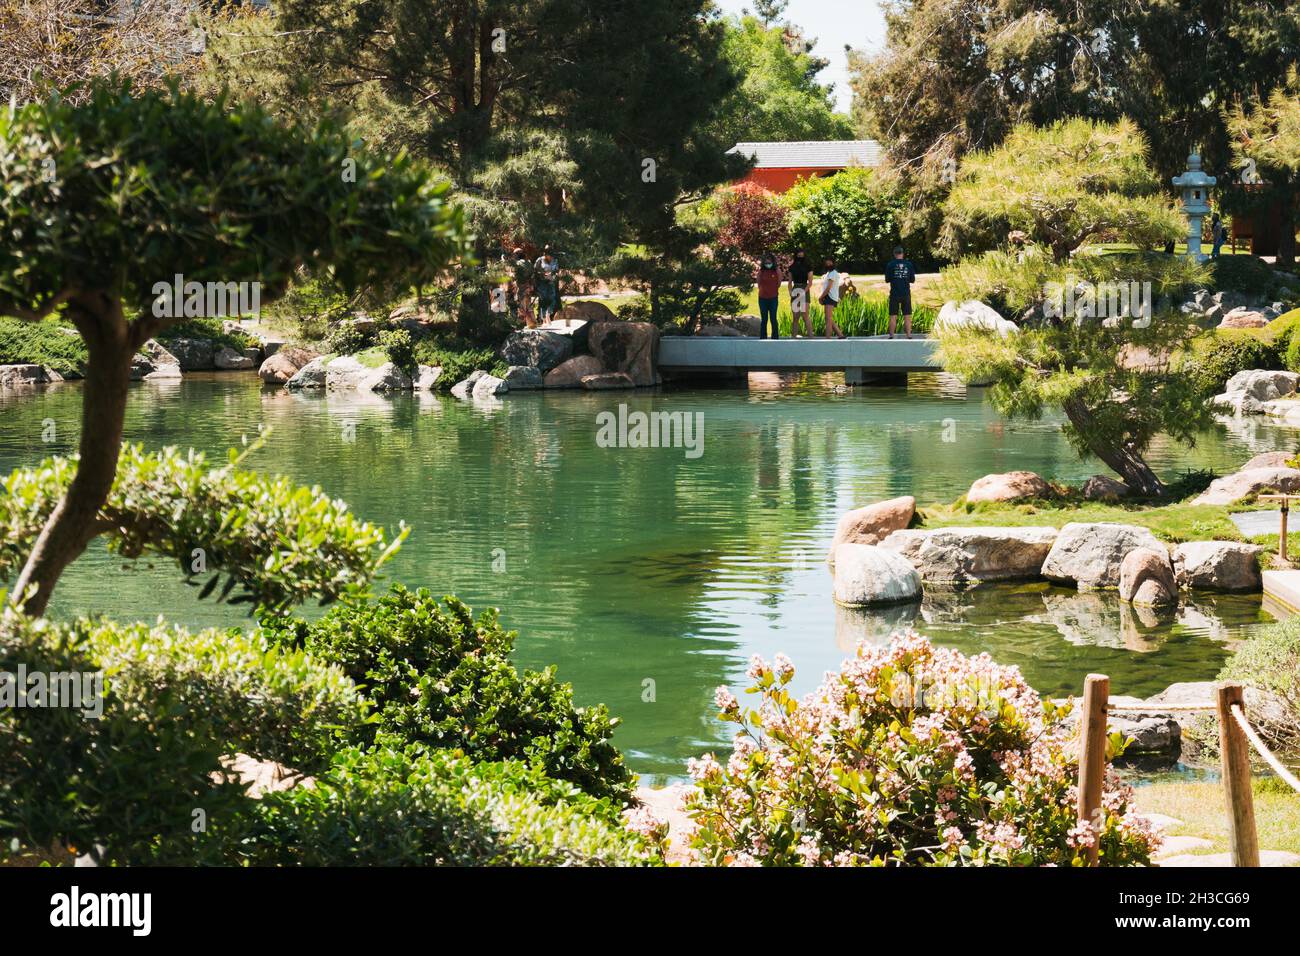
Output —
(1092, 752)
(1234, 754)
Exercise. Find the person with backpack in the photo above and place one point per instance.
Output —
(900, 274)
(769, 291)
(546, 280)
(1218, 235)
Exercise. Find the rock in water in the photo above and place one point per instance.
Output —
(194, 355)
(872, 524)
(1090, 554)
(629, 347)
(1012, 486)
(866, 575)
(958, 556)
(489, 386)
(465, 388)
(227, 359)
(541, 349)
(387, 378)
(1146, 578)
(1218, 566)
(426, 378)
(572, 372)
(523, 377)
(311, 375)
(607, 381)
(18, 376)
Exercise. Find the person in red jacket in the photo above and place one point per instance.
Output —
(769, 279)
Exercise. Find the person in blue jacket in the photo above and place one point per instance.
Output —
(900, 274)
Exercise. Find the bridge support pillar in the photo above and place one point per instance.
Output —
(860, 376)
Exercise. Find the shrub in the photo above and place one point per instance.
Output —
(1247, 274)
(912, 754)
(1214, 357)
(1270, 660)
(438, 676)
(124, 787)
(852, 216)
(753, 220)
(399, 348)
(452, 811)
(456, 364)
(46, 343)
(346, 338)
(209, 330)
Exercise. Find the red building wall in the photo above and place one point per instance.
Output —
(779, 179)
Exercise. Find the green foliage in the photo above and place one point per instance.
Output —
(858, 315)
(1270, 661)
(911, 755)
(453, 812)
(439, 677)
(1064, 185)
(275, 542)
(208, 330)
(852, 217)
(348, 338)
(48, 343)
(1249, 275)
(457, 362)
(1216, 356)
(399, 348)
(152, 184)
(173, 705)
(686, 284)
(779, 98)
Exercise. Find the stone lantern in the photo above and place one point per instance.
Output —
(1195, 185)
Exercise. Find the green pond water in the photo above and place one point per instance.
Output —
(650, 577)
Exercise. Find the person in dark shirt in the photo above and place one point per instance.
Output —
(900, 274)
(800, 275)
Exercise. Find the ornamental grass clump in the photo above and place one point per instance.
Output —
(910, 755)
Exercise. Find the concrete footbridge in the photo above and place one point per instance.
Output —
(859, 358)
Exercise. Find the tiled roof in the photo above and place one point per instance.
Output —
(812, 154)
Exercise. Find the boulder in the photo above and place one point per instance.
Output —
(607, 381)
(1263, 384)
(194, 355)
(345, 373)
(960, 556)
(1154, 736)
(1230, 488)
(872, 524)
(571, 373)
(1104, 488)
(1244, 318)
(311, 375)
(718, 330)
(489, 386)
(629, 347)
(975, 315)
(521, 378)
(18, 376)
(867, 575)
(539, 348)
(387, 378)
(426, 378)
(1089, 555)
(1269, 459)
(1146, 578)
(585, 310)
(1012, 486)
(465, 388)
(577, 332)
(227, 359)
(284, 364)
(1218, 566)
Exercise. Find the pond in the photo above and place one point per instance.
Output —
(650, 575)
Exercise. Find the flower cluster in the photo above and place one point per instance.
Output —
(864, 771)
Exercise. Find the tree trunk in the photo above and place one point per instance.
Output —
(1286, 226)
(1124, 460)
(73, 523)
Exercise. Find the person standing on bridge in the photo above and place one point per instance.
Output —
(900, 274)
(800, 273)
(769, 291)
(830, 297)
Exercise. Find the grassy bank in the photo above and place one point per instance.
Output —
(1200, 807)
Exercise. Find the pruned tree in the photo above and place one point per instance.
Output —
(1098, 332)
(102, 204)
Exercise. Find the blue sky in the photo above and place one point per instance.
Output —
(859, 23)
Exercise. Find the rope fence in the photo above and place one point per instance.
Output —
(1236, 737)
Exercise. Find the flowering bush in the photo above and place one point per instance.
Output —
(912, 754)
